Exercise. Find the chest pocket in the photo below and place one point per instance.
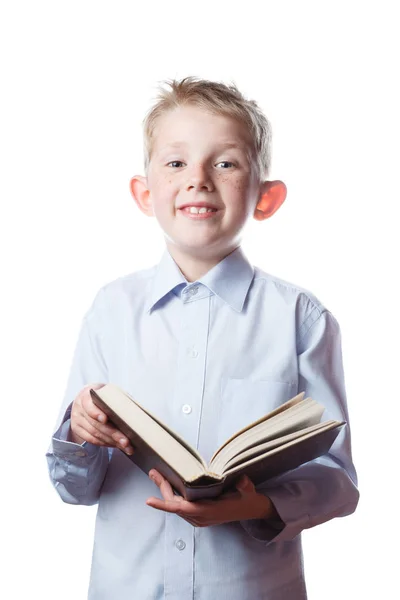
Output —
(243, 401)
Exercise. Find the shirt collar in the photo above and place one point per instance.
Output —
(167, 277)
(230, 279)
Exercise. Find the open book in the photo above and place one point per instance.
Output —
(285, 438)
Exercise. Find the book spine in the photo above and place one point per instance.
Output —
(145, 457)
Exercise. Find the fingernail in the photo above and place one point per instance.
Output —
(152, 476)
(123, 441)
(101, 418)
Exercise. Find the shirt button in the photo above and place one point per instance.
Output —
(194, 291)
(192, 353)
(180, 544)
(187, 409)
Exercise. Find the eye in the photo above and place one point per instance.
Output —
(226, 162)
(175, 162)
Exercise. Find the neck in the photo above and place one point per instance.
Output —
(192, 266)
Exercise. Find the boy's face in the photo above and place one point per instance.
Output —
(205, 161)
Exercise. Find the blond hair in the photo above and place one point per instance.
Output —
(220, 99)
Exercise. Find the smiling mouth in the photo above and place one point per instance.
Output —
(199, 213)
(195, 210)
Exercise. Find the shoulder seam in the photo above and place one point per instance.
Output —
(290, 286)
(278, 282)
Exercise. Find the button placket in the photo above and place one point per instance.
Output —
(190, 369)
(189, 384)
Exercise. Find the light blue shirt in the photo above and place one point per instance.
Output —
(207, 357)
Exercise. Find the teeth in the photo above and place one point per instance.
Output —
(199, 211)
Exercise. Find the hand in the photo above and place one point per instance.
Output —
(89, 423)
(242, 504)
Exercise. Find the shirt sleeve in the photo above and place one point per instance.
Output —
(77, 471)
(326, 487)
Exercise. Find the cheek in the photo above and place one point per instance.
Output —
(236, 184)
(163, 197)
(162, 188)
(240, 185)
(167, 179)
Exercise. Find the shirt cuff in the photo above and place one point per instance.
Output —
(283, 503)
(264, 530)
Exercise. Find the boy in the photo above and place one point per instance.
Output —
(209, 344)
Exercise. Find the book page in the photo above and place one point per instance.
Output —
(292, 402)
(160, 438)
(242, 457)
(313, 433)
(175, 435)
(294, 418)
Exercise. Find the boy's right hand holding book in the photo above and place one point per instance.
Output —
(89, 423)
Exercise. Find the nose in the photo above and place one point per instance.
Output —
(199, 179)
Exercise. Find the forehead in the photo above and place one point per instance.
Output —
(187, 124)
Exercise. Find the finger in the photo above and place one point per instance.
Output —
(179, 510)
(89, 407)
(164, 485)
(179, 506)
(94, 429)
(111, 432)
(245, 486)
(91, 426)
(170, 506)
(191, 522)
(83, 425)
(96, 418)
(86, 436)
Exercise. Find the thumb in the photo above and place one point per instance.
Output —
(245, 486)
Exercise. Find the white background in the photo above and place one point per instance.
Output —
(77, 79)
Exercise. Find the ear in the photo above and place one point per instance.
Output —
(141, 194)
(272, 196)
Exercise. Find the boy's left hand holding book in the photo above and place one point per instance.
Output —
(241, 505)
